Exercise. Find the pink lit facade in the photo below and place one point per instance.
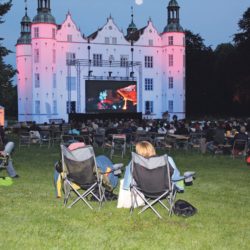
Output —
(48, 85)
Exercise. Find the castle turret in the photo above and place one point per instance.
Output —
(44, 30)
(24, 68)
(173, 40)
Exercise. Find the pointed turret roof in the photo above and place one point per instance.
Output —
(132, 27)
(25, 37)
(173, 18)
(44, 13)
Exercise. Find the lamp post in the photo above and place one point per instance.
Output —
(132, 60)
(89, 62)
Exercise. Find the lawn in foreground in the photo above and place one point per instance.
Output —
(32, 218)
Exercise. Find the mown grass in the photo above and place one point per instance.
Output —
(32, 218)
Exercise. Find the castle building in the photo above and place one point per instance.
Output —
(59, 69)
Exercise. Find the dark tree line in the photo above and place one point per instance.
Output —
(8, 92)
(218, 81)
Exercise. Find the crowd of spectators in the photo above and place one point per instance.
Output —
(211, 133)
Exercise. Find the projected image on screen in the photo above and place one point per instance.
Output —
(111, 96)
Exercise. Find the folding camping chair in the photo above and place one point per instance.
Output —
(239, 148)
(80, 173)
(118, 145)
(151, 180)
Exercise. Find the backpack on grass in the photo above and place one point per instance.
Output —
(184, 208)
(6, 181)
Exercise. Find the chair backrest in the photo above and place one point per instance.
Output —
(80, 165)
(119, 139)
(239, 146)
(152, 175)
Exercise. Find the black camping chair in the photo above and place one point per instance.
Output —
(81, 176)
(151, 180)
(239, 148)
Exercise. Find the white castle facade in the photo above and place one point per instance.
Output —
(54, 61)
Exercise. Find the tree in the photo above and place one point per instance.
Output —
(199, 77)
(242, 80)
(244, 25)
(224, 76)
(8, 94)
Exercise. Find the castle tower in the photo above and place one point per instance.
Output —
(43, 33)
(24, 68)
(173, 41)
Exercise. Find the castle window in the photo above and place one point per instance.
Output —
(170, 60)
(55, 107)
(149, 84)
(171, 106)
(70, 57)
(69, 38)
(149, 107)
(97, 60)
(150, 42)
(170, 82)
(114, 40)
(54, 80)
(124, 61)
(170, 40)
(36, 56)
(53, 33)
(54, 56)
(37, 107)
(36, 32)
(106, 40)
(148, 62)
(37, 80)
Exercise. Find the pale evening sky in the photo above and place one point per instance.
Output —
(215, 20)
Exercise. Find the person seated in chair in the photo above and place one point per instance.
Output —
(104, 164)
(147, 150)
(5, 154)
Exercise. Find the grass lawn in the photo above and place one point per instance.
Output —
(32, 218)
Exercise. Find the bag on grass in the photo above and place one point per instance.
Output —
(6, 181)
(184, 208)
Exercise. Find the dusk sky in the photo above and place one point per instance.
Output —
(215, 20)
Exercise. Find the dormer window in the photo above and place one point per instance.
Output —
(114, 40)
(69, 38)
(106, 40)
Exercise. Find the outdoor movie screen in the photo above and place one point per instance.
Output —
(111, 96)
